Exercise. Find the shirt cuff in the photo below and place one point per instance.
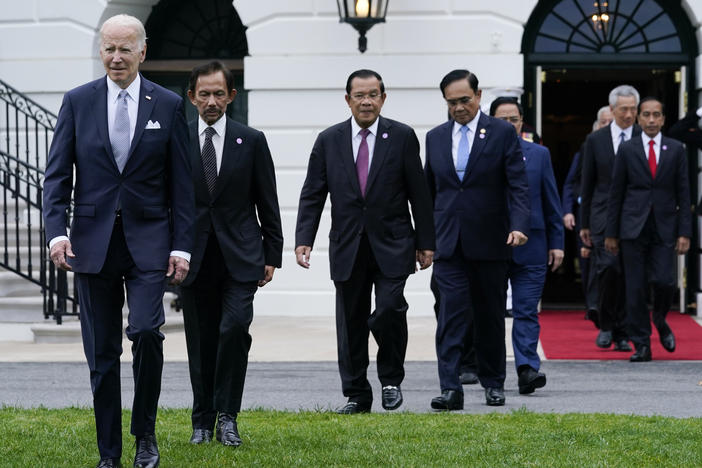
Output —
(181, 254)
(56, 240)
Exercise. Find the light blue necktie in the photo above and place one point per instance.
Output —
(462, 153)
(119, 138)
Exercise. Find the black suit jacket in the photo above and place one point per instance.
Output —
(598, 164)
(634, 192)
(395, 177)
(245, 194)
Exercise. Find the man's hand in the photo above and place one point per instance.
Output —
(424, 258)
(682, 245)
(555, 258)
(569, 221)
(302, 254)
(585, 237)
(516, 238)
(60, 251)
(612, 245)
(178, 268)
(267, 276)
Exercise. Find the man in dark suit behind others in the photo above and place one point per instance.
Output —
(126, 139)
(476, 175)
(235, 188)
(649, 215)
(598, 162)
(370, 167)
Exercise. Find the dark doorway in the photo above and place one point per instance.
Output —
(571, 98)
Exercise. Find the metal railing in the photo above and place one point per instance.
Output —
(26, 129)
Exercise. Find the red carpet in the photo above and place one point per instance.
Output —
(565, 334)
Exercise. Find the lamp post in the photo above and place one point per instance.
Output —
(362, 15)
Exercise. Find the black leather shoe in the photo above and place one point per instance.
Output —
(109, 463)
(530, 380)
(449, 400)
(147, 455)
(392, 397)
(354, 407)
(668, 342)
(495, 396)
(642, 354)
(468, 378)
(201, 436)
(604, 339)
(227, 432)
(622, 345)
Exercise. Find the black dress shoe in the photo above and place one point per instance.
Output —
(201, 436)
(392, 397)
(449, 400)
(530, 380)
(468, 378)
(622, 345)
(604, 339)
(227, 432)
(668, 341)
(109, 463)
(642, 354)
(147, 455)
(495, 396)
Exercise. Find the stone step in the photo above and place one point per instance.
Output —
(26, 254)
(26, 233)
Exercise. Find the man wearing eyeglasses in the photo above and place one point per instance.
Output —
(370, 167)
(476, 175)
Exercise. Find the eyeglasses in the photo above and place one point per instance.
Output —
(358, 97)
(463, 101)
(512, 119)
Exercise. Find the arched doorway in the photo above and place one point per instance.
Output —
(575, 52)
(182, 34)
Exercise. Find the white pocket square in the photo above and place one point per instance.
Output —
(152, 125)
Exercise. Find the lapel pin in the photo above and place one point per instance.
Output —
(148, 98)
(482, 130)
(482, 135)
(239, 141)
(665, 147)
(385, 136)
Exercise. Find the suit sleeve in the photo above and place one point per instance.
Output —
(312, 196)
(429, 174)
(517, 184)
(683, 196)
(418, 194)
(266, 200)
(568, 201)
(687, 130)
(58, 178)
(587, 182)
(617, 189)
(551, 204)
(181, 189)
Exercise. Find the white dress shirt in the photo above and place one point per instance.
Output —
(370, 139)
(656, 145)
(456, 136)
(220, 127)
(616, 133)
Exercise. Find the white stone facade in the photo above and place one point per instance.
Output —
(300, 56)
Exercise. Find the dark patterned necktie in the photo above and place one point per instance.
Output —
(209, 159)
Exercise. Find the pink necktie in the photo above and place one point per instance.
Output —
(362, 162)
(652, 158)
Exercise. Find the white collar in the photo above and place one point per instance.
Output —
(656, 139)
(355, 128)
(616, 130)
(472, 125)
(220, 125)
(113, 88)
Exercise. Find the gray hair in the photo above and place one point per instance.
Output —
(596, 125)
(128, 21)
(622, 91)
(602, 110)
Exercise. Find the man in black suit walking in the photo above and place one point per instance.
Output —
(235, 188)
(370, 167)
(598, 161)
(649, 215)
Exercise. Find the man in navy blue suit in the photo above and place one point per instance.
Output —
(126, 140)
(527, 270)
(476, 176)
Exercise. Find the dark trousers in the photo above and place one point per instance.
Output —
(469, 362)
(610, 286)
(101, 298)
(217, 311)
(527, 287)
(354, 322)
(647, 260)
(471, 290)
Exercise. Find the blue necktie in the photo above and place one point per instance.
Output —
(462, 153)
(119, 138)
(622, 138)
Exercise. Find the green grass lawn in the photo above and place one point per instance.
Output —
(66, 438)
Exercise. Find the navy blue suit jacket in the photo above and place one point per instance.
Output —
(546, 225)
(490, 202)
(154, 191)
